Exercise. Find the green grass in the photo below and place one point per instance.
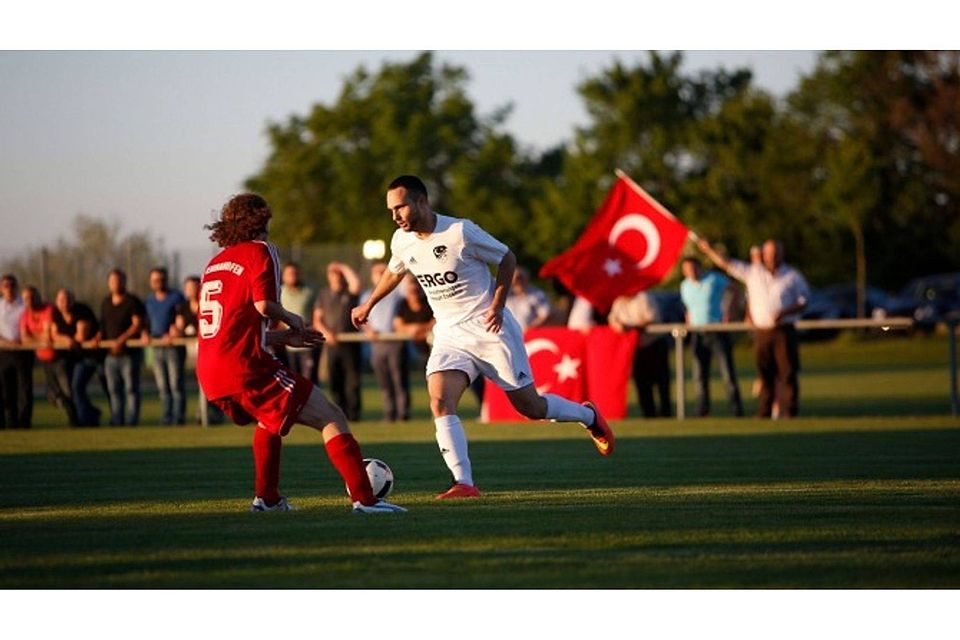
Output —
(851, 495)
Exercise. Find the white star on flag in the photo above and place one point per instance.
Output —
(612, 267)
(566, 368)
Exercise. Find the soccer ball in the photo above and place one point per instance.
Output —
(381, 477)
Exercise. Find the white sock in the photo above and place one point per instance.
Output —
(453, 447)
(563, 410)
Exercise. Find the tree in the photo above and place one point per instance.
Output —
(887, 126)
(327, 171)
(81, 260)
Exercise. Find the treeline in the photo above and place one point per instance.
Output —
(857, 170)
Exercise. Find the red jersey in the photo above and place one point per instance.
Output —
(231, 355)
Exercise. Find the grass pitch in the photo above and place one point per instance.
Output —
(824, 501)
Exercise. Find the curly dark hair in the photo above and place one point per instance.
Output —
(243, 218)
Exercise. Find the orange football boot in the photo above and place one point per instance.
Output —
(459, 490)
(600, 432)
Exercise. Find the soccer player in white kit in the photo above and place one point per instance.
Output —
(474, 334)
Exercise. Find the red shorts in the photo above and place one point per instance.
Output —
(274, 404)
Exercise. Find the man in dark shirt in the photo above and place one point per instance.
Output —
(121, 318)
(73, 324)
(331, 316)
(168, 359)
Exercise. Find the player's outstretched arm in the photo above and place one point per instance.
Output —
(387, 283)
(715, 257)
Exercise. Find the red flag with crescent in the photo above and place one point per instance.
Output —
(631, 243)
(557, 358)
(594, 366)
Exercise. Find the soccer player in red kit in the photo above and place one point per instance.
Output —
(239, 301)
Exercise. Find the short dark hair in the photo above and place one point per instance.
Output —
(412, 184)
(292, 263)
(117, 271)
(162, 271)
(9, 277)
(691, 259)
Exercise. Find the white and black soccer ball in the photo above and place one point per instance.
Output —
(381, 477)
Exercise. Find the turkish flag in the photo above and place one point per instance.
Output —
(630, 244)
(557, 358)
(609, 365)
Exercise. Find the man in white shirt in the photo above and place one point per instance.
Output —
(529, 305)
(16, 367)
(776, 294)
(474, 334)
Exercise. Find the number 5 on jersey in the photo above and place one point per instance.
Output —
(211, 311)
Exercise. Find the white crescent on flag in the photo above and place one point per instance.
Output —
(643, 224)
(536, 346)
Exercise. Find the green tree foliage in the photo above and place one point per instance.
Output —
(857, 171)
(887, 126)
(327, 172)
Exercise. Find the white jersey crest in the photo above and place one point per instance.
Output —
(451, 265)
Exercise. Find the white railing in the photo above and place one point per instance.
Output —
(679, 331)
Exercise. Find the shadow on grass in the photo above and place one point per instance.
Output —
(557, 515)
(222, 473)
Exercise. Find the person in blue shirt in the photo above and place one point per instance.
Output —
(703, 295)
(168, 360)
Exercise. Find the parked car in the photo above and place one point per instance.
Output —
(670, 305)
(878, 304)
(937, 298)
(820, 307)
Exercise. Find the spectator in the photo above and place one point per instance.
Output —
(651, 367)
(528, 304)
(187, 316)
(703, 296)
(331, 316)
(295, 296)
(121, 318)
(776, 294)
(582, 315)
(36, 328)
(73, 324)
(187, 324)
(168, 359)
(414, 315)
(388, 359)
(16, 367)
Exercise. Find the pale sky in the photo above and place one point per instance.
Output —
(159, 140)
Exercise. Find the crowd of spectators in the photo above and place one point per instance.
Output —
(775, 295)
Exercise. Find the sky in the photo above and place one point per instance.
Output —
(158, 140)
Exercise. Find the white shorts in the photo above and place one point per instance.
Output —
(469, 347)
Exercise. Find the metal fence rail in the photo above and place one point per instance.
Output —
(679, 331)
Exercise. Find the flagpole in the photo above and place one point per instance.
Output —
(639, 189)
(621, 174)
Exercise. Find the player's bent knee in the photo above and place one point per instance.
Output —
(319, 412)
(442, 407)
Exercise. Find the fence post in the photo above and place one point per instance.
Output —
(954, 402)
(678, 335)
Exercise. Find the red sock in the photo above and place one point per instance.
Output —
(266, 463)
(344, 453)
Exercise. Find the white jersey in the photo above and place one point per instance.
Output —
(451, 265)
